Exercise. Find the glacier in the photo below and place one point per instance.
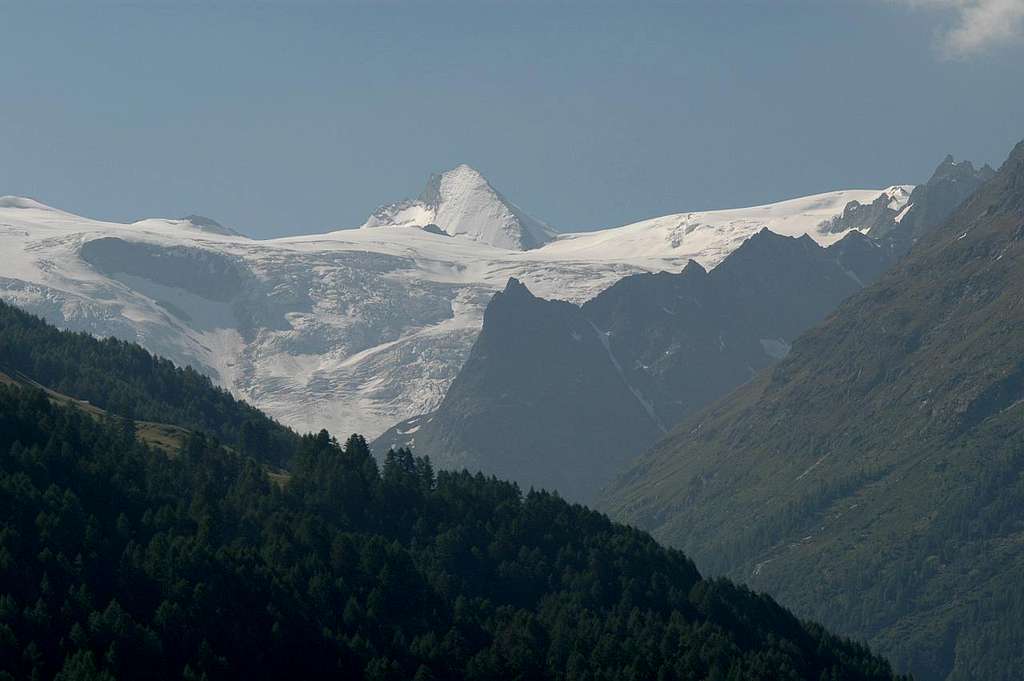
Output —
(352, 330)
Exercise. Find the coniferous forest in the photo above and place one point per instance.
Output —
(512, 341)
(127, 380)
(120, 561)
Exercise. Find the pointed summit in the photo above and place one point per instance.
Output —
(461, 201)
(934, 201)
(766, 245)
(516, 287)
(920, 375)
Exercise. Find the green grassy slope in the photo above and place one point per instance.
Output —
(875, 478)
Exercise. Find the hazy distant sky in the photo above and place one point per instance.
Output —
(284, 118)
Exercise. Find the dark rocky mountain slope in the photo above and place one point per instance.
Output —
(539, 403)
(875, 478)
(562, 397)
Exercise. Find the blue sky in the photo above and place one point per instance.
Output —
(286, 118)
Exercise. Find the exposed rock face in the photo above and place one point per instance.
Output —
(899, 218)
(881, 461)
(879, 215)
(931, 203)
(560, 396)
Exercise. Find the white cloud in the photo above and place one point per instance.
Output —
(979, 25)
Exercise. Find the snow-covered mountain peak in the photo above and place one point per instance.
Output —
(22, 202)
(461, 201)
(357, 329)
(461, 179)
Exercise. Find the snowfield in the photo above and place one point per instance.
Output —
(357, 329)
